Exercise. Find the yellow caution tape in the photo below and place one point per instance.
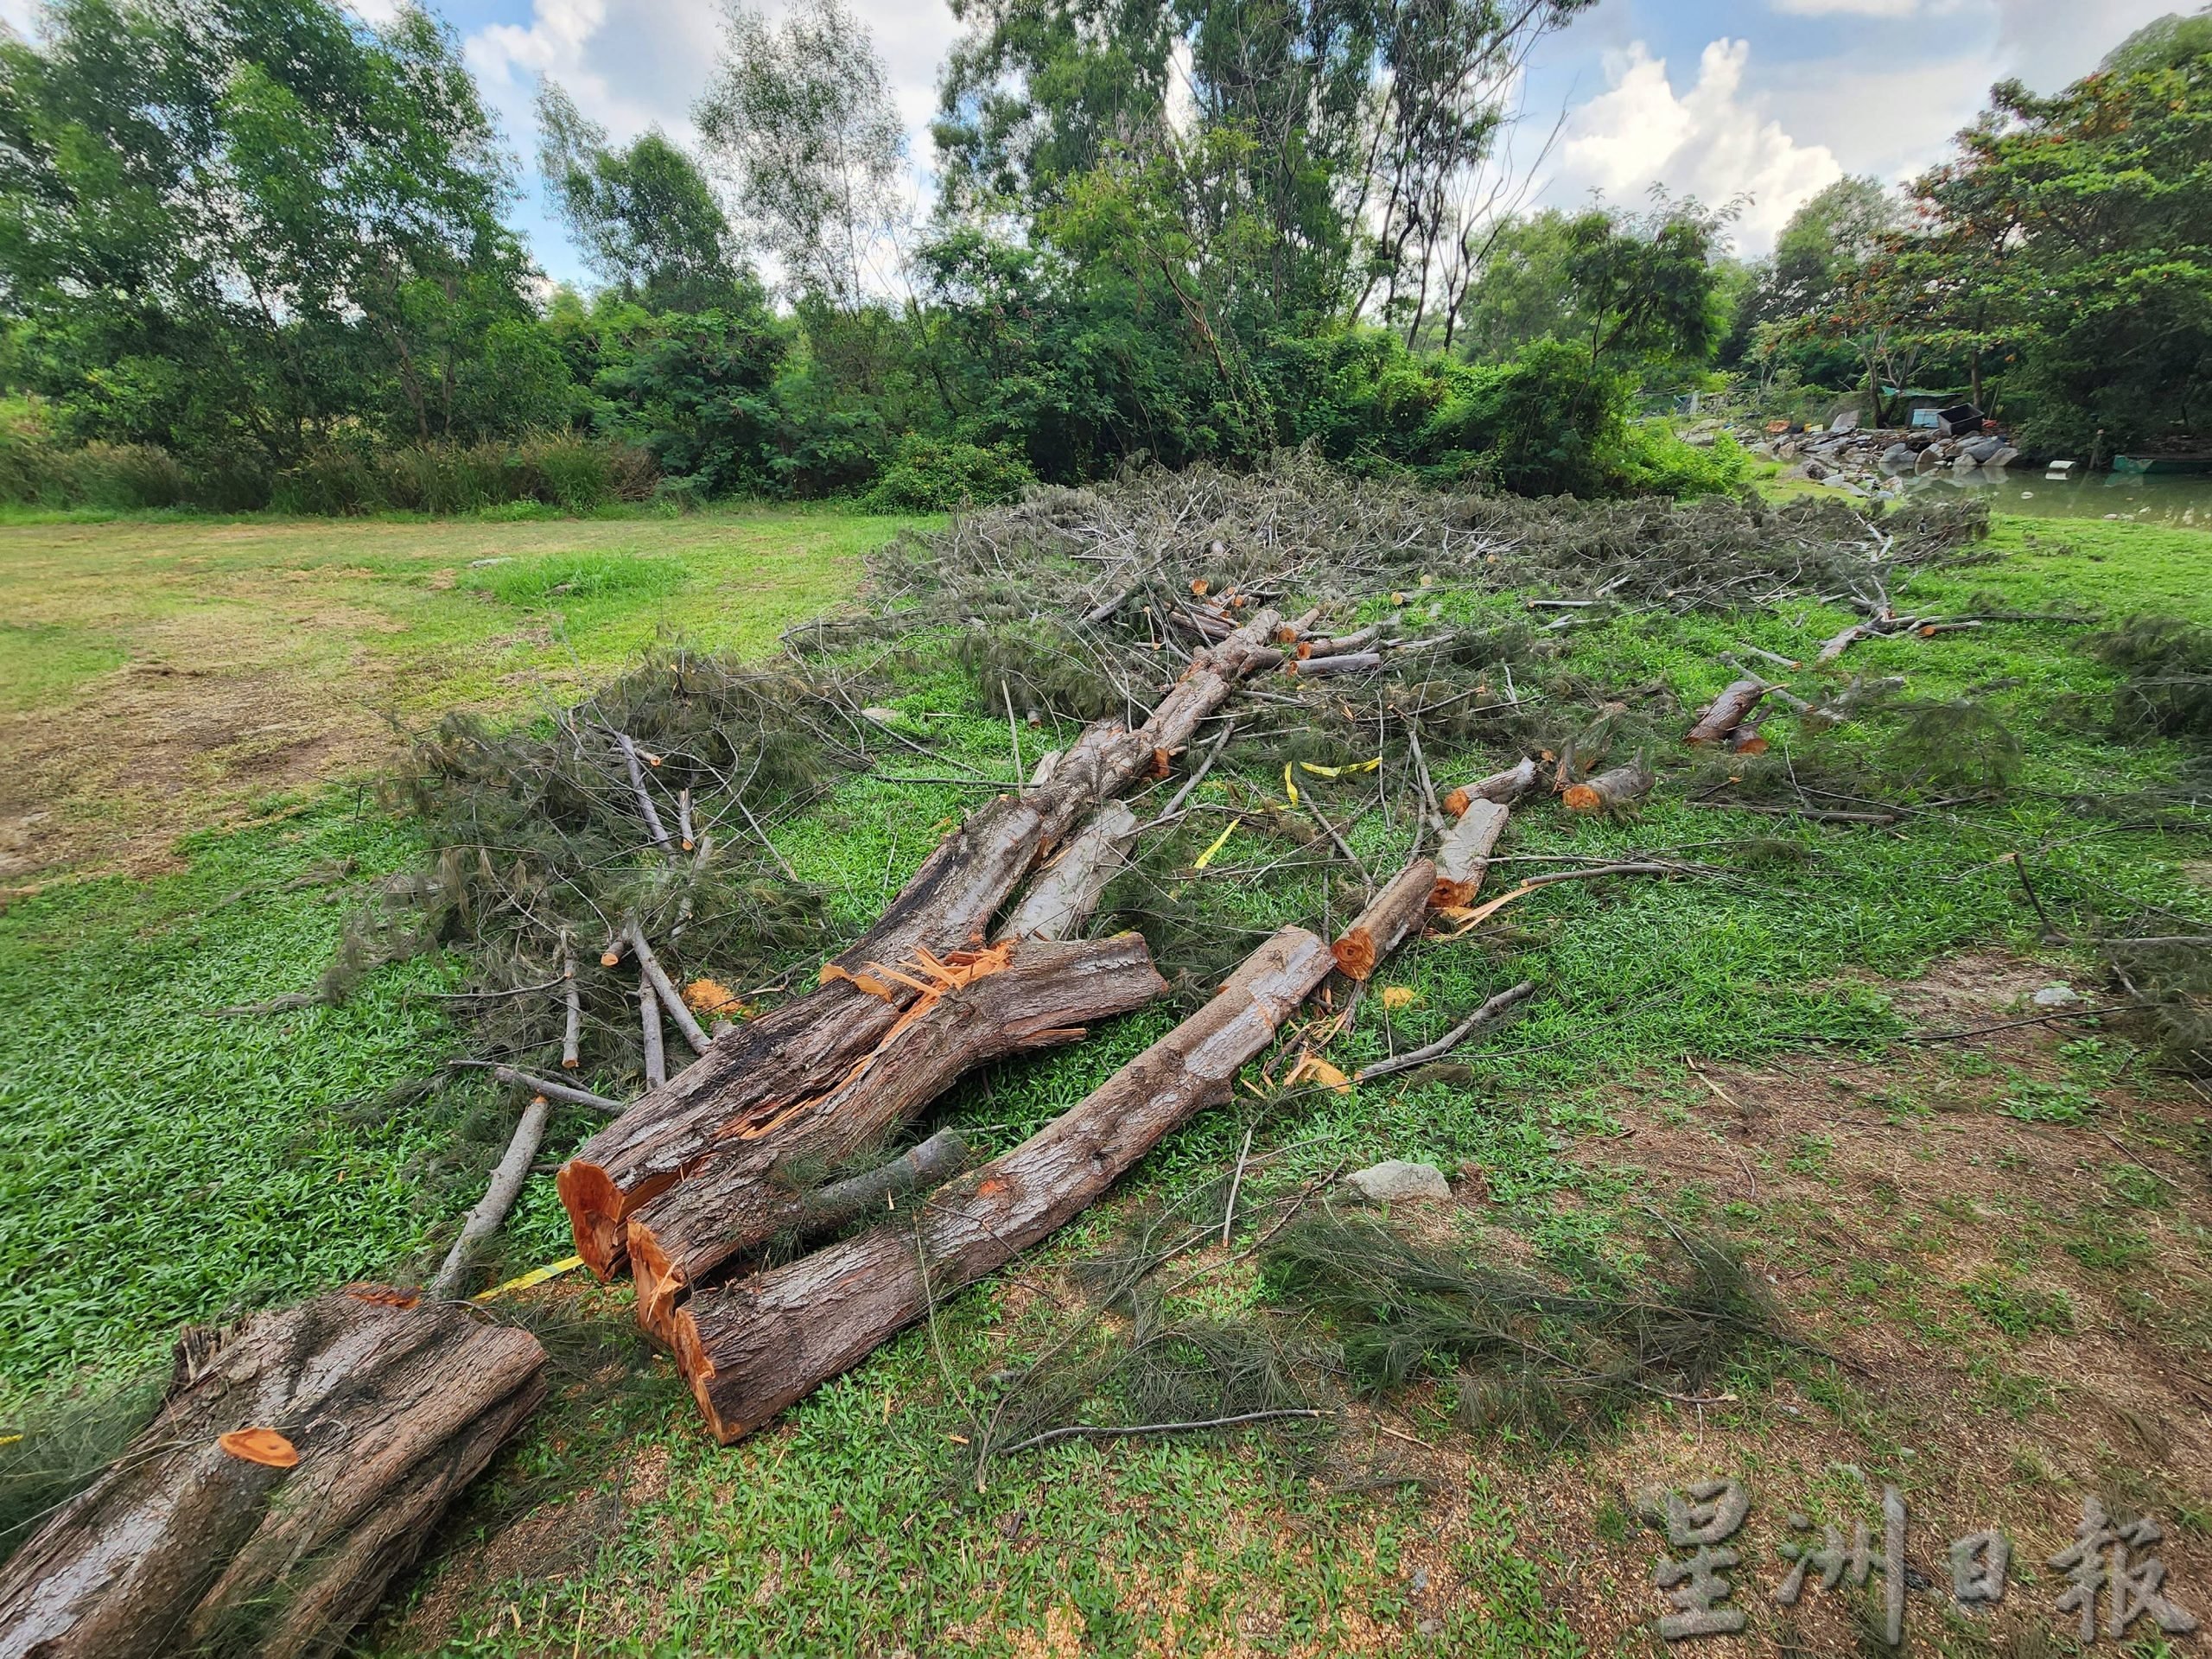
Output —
(1351, 771)
(1219, 841)
(1289, 788)
(535, 1276)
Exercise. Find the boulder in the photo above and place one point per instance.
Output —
(1394, 1181)
(1813, 470)
(1897, 454)
(1982, 449)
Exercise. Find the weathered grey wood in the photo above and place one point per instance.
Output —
(392, 1410)
(1047, 993)
(670, 998)
(647, 809)
(1350, 661)
(936, 1161)
(1065, 893)
(572, 1026)
(553, 1091)
(1728, 711)
(499, 1195)
(758, 1344)
(1836, 645)
(649, 1032)
(755, 1071)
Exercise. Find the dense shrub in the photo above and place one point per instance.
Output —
(934, 475)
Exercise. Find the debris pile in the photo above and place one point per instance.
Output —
(1882, 461)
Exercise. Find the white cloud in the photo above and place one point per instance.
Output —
(1850, 8)
(1714, 142)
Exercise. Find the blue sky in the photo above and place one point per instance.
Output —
(1762, 100)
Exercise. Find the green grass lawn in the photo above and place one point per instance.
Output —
(159, 675)
(162, 1163)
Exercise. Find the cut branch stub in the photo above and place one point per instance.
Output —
(1729, 710)
(757, 1070)
(1379, 929)
(1609, 790)
(391, 1407)
(1036, 995)
(763, 1341)
(1503, 787)
(1464, 853)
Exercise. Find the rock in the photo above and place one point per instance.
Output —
(2006, 456)
(1897, 454)
(1846, 421)
(1813, 470)
(1927, 461)
(880, 716)
(1395, 1180)
(1982, 449)
(2061, 995)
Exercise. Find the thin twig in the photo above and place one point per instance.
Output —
(1113, 1431)
(1451, 1038)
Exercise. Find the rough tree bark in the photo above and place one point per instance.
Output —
(756, 1071)
(1464, 854)
(1034, 994)
(1393, 912)
(1066, 892)
(758, 1344)
(182, 1547)
(1729, 710)
(754, 1347)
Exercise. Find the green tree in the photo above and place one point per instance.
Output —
(227, 225)
(644, 219)
(800, 119)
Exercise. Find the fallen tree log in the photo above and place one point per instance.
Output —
(1382, 927)
(1608, 789)
(1836, 645)
(1503, 787)
(355, 1418)
(1350, 661)
(507, 1185)
(1729, 710)
(756, 1071)
(1464, 853)
(760, 1343)
(1031, 995)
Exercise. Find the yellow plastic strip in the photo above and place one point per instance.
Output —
(535, 1276)
(1352, 770)
(1289, 788)
(1219, 841)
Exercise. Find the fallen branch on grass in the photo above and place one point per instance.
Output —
(491, 1210)
(1502, 1003)
(1126, 1431)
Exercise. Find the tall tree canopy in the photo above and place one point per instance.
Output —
(225, 224)
(644, 219)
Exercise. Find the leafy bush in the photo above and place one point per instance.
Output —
(936, 474)
(573, 474)
(1652, 461)
(36, 472)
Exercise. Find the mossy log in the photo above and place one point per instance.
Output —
(369, 1413)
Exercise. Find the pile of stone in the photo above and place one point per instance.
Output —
(1879, 460)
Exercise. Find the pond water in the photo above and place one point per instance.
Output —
(2177, 499)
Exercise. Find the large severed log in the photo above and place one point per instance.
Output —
(1035, 994)
(759, 1343)
(1729, 710)
(1463, 856)
(182, 1545)
(754, 1072)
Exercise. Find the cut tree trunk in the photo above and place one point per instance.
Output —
(1024, 994)
(1729, 710)
(1745, 740)
(756, 1071)
(1608, 789)
(1382, 927)
(759, 1343)
(1464, 853)
(182, 1546)
(1503, 787)
(754, 1347)
(1066, 891)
